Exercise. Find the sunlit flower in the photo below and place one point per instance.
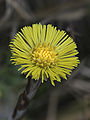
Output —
(44, 52)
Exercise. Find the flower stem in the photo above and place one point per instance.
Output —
(24, 99)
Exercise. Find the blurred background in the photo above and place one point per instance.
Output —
(68, 100)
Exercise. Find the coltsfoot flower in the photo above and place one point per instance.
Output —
(44, 52)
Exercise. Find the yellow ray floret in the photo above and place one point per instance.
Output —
(44, 52)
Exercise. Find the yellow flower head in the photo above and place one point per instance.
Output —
(44, 52)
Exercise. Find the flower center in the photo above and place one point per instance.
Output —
(44, 55)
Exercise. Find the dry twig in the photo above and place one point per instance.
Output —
(22, 12)
(7, 14)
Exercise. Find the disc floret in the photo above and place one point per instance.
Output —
(44, 55)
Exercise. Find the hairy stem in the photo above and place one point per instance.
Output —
(24, 99)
